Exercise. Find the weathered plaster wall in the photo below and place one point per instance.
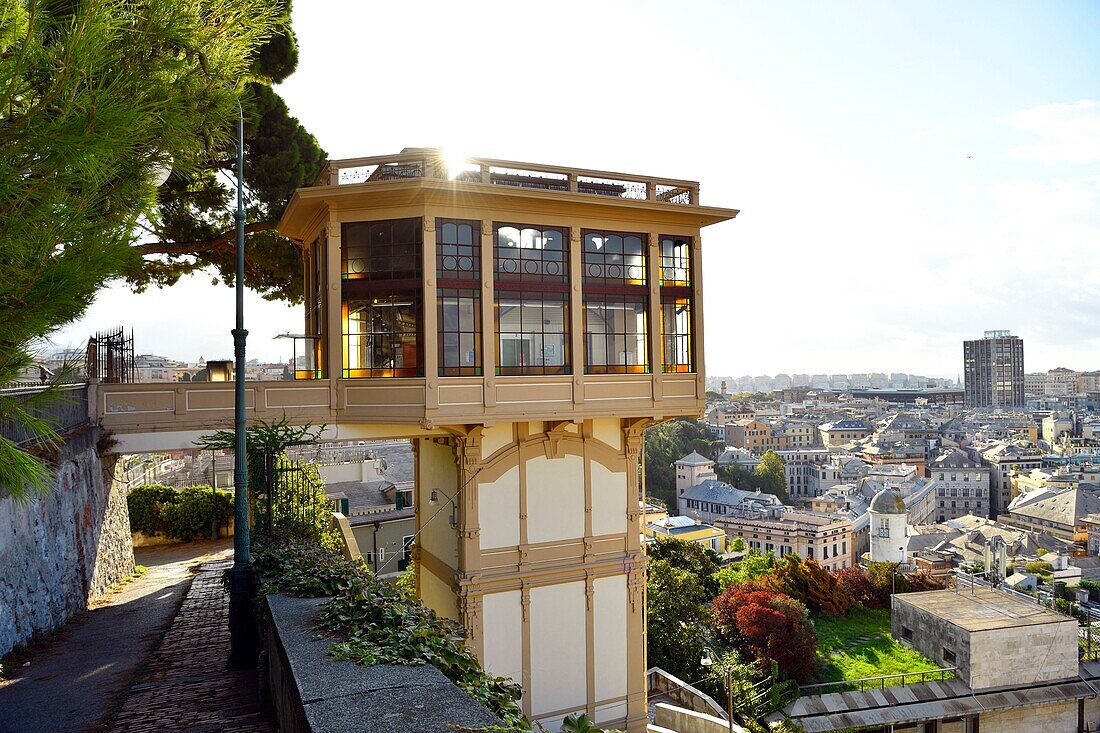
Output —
(61, 551)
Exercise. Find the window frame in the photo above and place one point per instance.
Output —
(534, 336)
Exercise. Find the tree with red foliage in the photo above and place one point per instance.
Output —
(768, 625)
(855, 583)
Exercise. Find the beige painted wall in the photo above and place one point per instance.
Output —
(558, 650)
(555, 498)
(498, 510)
(609, 637)
(437, 594)
(609, 500)
(549, 577)
(503, 655)
(436, 470)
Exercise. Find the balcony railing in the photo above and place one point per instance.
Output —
(432, 164)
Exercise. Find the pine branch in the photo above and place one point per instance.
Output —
(222, 241)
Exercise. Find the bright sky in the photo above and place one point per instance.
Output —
(908, 174)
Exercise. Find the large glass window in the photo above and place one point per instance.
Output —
(531, 276)
(458, 270)
(381, 250)
(531, 254)
(458, 250)
(615, 333)
(382, 337)
(459, 333)
(676, 334)
(677, 345)
(675, 261)
(532, 332)
(382, 298)
(616, 303)
(614, 258)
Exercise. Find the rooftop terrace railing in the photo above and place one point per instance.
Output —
(433, 164)
(878, 683)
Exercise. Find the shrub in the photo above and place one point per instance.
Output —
(195, 507)
(145, 504)
(1038, 567)
(769, 625)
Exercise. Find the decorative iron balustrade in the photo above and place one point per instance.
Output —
(432, 164)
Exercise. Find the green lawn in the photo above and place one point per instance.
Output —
(859, 645)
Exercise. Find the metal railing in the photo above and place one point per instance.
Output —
(879, 683)
(64, 412)
(432, 164)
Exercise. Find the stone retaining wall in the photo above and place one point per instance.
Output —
(314, 693)
(63, 550)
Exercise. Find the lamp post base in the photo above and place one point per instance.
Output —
(244, 638)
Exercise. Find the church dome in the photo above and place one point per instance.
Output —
(887, 501)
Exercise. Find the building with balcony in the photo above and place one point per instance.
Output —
(521, 324)
(781, 530)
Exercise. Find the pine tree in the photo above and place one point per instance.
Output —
(96, 97)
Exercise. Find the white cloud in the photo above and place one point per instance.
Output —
(1068, 133)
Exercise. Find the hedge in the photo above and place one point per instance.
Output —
(183, 515)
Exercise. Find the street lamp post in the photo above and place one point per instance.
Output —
(707, 661)
(894, 575)
(243, 634)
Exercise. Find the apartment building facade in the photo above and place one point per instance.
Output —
(993, 369)
(962, 485)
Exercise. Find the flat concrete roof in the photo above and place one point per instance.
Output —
(982, 610)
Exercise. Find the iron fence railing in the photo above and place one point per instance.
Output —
(110, 357)
(65, 411)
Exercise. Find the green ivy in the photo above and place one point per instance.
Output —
(383, 623)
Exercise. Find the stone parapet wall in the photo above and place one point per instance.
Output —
(63, 550)
(1058, 717)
